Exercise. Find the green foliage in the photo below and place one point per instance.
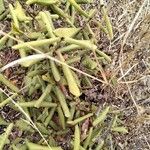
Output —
(51, 98)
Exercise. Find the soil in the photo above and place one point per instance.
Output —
(133, 84)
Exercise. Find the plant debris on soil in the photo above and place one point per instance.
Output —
(74, 74)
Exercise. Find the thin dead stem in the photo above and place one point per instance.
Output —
(129, 90)
(42, 55)
(133, 23)
(27, 117)
(148, 144)
(128, 71)
(121, 52)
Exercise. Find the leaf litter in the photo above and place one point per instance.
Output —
(68, 118)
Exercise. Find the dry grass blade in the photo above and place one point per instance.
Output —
(27, 117)
(133, 22)
(127, 72)
(146, 140)
(43, 56)
(132, 98)
(84, 69)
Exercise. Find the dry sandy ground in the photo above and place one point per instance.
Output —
(130, 51)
